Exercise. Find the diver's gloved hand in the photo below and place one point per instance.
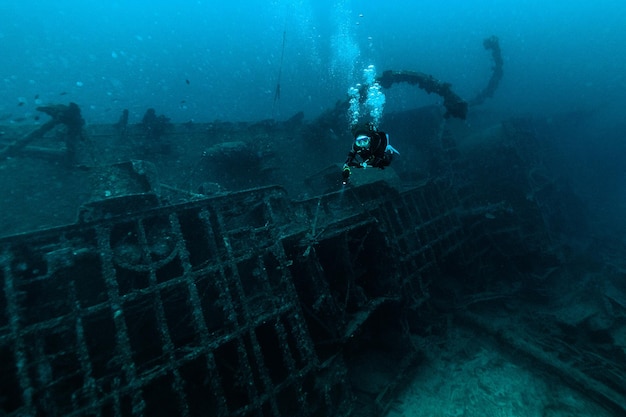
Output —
(345, 174)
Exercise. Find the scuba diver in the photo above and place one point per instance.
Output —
(371, 148)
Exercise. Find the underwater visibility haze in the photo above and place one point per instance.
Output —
(208, 60)
(257, 274)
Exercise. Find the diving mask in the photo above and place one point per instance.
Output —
(362, 141)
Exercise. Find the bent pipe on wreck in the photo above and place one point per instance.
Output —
(454, 104)
(491, 43)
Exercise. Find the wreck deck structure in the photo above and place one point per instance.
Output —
(236, 300)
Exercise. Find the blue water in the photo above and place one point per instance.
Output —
(203, 60)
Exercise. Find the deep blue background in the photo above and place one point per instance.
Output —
(559, 55)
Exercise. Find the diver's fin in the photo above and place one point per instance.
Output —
(389, 147)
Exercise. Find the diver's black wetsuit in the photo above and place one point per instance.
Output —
(376, 155)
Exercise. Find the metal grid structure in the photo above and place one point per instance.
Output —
(232, 305)
(137, 316)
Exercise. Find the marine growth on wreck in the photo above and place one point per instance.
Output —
(157, 268)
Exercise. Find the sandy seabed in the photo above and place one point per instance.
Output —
(471, 376)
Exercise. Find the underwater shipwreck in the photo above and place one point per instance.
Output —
(221, 269)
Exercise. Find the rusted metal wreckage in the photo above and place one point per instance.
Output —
(252, 303)
(159, 302)
(223, 306)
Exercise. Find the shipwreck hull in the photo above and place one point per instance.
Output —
(159, 301)
(234, 305)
